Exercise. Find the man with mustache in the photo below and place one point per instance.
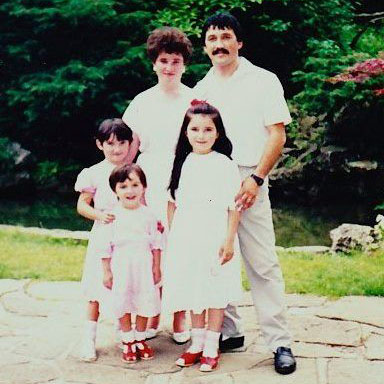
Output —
(254, 111)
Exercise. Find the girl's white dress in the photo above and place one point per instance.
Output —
(193, 279)
(95, 180)
(156, 118)
(129, 240)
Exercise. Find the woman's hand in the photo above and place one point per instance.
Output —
(108, 279)
(156, 274)
(105, 217)
(226, 252)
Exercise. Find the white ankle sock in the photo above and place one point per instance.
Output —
(211, 344)
(140, 336)
(197, 337)
(90, 329)
(128, 337)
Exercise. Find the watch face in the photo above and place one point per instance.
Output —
(259, 180)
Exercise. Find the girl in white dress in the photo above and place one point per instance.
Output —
(202, 271)
(130, 249)
(155, 117)
(96, 202)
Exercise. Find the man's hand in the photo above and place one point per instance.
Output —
(247, 194)
(108, 279)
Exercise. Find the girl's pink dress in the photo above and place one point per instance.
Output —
(128, 241)
(95, 180)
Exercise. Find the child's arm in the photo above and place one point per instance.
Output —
(107, 273)
(226, 250)
(170, 212)
(133, 148)
(84, 208)
(156, 260)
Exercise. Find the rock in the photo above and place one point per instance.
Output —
(364, 165)
(375, 347)
(366, 310)
(347, 237)
(17, 165)
(355, 372)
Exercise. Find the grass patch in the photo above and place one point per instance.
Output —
(39, 257)
(333, 275)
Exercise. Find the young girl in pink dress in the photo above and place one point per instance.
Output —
(96, 202)
(130, 249)
(202, 270)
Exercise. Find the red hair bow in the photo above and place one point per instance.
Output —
(198, 102)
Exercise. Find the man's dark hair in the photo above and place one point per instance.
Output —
(223, 21)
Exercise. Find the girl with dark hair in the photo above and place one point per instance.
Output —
(96, 202)
(202, 255)
(130, 250)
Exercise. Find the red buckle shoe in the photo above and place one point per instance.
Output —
(187, 359)
(144, 351)
(208, 364)
(129, 352)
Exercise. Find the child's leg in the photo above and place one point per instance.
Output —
(179, 322)
(88, 350)
(198, 332)
(210, 358)
(215, 321)
(144, 351)
(128, 339)
(194, 352)
(153, 323)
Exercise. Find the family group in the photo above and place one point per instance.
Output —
(170, 230)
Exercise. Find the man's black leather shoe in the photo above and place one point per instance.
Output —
(285, 362)
(232, 343)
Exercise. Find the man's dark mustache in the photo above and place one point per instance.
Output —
(219, 50)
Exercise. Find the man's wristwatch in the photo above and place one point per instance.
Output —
(259, 181)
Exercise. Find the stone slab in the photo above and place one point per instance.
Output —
(61, 290)
(28, 373)
(311, 350)
(92, 373)
(355, 372)
(231, 362)
(368, 310)
(21, 304)
(10, 285)
(324, 331)
(375, 348)
(265, 374)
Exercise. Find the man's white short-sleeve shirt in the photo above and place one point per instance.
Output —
(248, 101)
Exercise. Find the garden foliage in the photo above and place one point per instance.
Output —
(68, 64)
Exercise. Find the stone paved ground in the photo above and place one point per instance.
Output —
(336, 342)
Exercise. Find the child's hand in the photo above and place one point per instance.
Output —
(108, 279)
(156, 274)
(226, 252)
(105, 218)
